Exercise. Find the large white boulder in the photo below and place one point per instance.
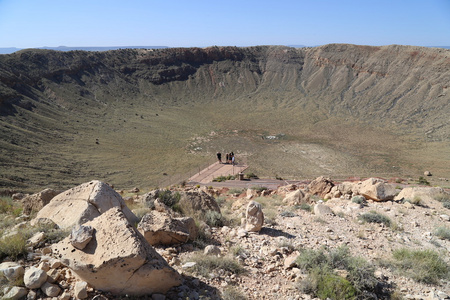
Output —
(425, 193)
(377, 189)
(83, 203)
(118, 259)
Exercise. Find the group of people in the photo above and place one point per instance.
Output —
(229, 158)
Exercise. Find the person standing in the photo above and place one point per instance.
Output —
(219, 157)
(227, 158)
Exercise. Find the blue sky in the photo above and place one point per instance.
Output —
(37, 23)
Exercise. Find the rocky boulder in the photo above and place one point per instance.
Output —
(36, 202)
(198, 201)
(377, 189)
(83, 203)
(321, 209)
(320, 186)
(160, 228)
(118, 259)
(295, 198)
(424, 193)
(254, 217)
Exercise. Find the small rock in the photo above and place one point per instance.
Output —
(11, 270)
(80, 290)
(158, 297)
(445, 217)
(81, 236)
(212, 250)
(427, 173)
(15, 293)
(188, 265)
(34, 278)
(36, 239)
(51, 290)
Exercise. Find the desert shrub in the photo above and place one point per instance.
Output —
(359, 199)
(287, 214)
(323, 282)
(443, 233)
(231, 293)
(250, 175)
(330, 285)
(223, 178)
(235, 191)
(206, 264)
(169, 198)
(259, 188)
(213, 218)
(306, 207)
(442, 197)
(9, 207)
(446, 205)
(415, 201)
(421, 265)
(374, 217)
(422, 180)
(13, 246)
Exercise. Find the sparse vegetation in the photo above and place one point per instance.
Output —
(421, 265)
(359, 200)
(324, 282)
(306, 207)
(422, 180)
(224, 178)
(213, 218)
(205, 265)
(235, 191)
(417, 200)
(231, 293)
(251, 175)
(375, 217)
(443, 233)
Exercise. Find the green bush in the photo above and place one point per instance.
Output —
(421, 265)
(235, 191)
(306, 207)
(250, 175)
(423, 180)
(13, 246)
(359, 199)
(374, 217)
(206, 264)
(169, 198)
(446, 205)
(9, 207)
(224, 178)
(322, 280)
(333, 286)
(259, 188)
(443, 233)
(213, 218)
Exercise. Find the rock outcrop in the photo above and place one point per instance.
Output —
(83, 203)
(254, 217)
(118, 259)
(198, 201)
(320, 186)
(36, 202)
(376, 189)
(160, 228)
(295, 198)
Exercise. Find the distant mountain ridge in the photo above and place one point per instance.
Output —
(72, 113)
(64, 48)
